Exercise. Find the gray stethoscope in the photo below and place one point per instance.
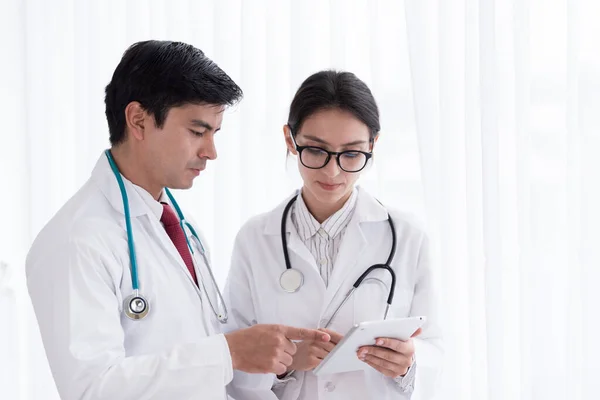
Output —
(291, 280)
(136, 306)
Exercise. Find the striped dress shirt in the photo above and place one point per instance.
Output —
(323, 240)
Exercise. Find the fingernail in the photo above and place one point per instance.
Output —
(380, 342)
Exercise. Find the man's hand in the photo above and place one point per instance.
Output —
(268, 348)
(311, 352)
(391, 357)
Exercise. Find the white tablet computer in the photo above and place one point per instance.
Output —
(343, 357)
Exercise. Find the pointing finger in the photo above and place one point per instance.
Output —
(305, 334)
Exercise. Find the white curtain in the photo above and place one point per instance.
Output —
(507, 115)
(491, 121)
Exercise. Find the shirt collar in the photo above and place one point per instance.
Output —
(332, 226)
(155, 206)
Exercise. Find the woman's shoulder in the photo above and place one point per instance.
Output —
(404, 221)
(408, 221)
(255, 223)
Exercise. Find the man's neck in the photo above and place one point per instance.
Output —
(134, 171)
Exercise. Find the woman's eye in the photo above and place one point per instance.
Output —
(314, 151)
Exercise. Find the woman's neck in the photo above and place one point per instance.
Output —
(321, 211)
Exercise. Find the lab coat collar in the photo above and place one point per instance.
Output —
(368, 209)
(105, 179)
(155, 206)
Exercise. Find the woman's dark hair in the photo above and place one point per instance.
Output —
(161, 75)
(331, 89)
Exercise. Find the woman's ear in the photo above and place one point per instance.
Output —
(289, 142)
(373, 141)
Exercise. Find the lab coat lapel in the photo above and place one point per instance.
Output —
(300, 256)
(104, 177)
(308, 264)
(347, 261)
(350, 261)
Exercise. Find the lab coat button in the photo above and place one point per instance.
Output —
(323, 261)
(329, 387)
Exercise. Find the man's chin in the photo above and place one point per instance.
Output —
(182, 185)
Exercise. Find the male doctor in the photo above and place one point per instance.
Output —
(164, 105)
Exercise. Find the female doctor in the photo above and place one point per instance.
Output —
(333, 231)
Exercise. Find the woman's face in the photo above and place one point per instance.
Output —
(333, 130)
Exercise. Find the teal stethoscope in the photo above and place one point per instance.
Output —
(136, 306)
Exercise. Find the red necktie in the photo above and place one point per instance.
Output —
(177, 235)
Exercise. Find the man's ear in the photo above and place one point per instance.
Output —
(135, 119)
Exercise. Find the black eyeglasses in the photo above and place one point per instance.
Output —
(349, 160)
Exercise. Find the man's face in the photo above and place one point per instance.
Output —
(178, 152)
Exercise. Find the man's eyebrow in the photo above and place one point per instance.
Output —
(203, 124)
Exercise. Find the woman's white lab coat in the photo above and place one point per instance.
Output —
(78, 275)
(254, 296)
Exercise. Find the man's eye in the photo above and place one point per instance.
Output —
(196, 132)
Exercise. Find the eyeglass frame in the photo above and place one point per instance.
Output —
(300, 149)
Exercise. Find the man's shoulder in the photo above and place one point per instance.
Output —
(86, 216)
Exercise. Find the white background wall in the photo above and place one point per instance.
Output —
(490, 115)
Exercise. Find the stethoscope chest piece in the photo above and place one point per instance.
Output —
(291, 280)
(136, 307)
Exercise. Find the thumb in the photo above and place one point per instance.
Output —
(417, 333)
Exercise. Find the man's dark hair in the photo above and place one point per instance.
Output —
(161, 75)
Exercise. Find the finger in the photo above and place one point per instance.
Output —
(417, 333)
(288, 346)
(384, 371)
(382, 353)
(381, 362)
(304, 334)
(319, 352)
(335, 336)
(286, 359)
(327, 346)
(399, 346)
(279, 369)
(314, 362)
(398, 365)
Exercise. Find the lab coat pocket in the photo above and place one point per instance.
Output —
(402, 302)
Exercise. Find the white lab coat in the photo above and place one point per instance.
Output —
(254, 296)
(78, 273)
